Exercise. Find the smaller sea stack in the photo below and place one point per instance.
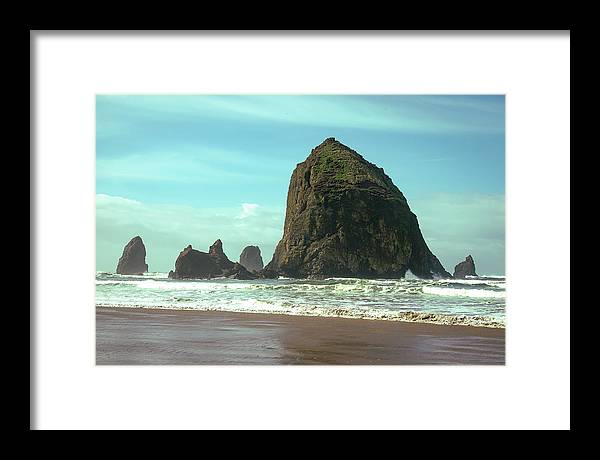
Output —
(192, 263)
(133, 260)
(251, 259)
(465, 268)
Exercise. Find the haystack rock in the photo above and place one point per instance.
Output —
(465, 268)
(345, 218)
(251, 259)
(133, 260)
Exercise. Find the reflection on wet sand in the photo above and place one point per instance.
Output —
(142, 336)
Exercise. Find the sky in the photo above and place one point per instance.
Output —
(181, 169)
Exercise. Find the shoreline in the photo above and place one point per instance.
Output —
(401, 317)
(166, 336)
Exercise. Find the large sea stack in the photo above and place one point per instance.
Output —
(345, 218)
(251, 259)
(192, 263)
(133, 260)
(465, 268)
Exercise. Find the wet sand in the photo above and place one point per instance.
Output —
(144, 336)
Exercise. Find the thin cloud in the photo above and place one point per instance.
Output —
(457, 224)
(104, 200)
(248, 209)
(201, 165)
(409, 114)
(167, 229)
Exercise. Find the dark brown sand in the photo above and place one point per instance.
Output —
(144, 336)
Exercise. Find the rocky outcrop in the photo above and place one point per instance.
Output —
(217, 254)
(251, 259)
(192, 263)
(239, 272)
(346, 218)
(267, 273)
(133, 260)
(465, 268)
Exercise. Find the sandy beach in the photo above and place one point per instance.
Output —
(145, 336)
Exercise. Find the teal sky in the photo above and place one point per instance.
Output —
(181, 170)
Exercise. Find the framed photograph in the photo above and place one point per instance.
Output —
(350, 277)
(290, 222)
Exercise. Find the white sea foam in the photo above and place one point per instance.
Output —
(410, 275)
(469, 302)
(452, 292)
(475, 281)
(176, 285)
(330, 312)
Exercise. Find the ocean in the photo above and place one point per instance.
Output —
(475, 301)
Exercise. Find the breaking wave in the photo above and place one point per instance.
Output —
(385, 315)
(453, 292)
(471, 302)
